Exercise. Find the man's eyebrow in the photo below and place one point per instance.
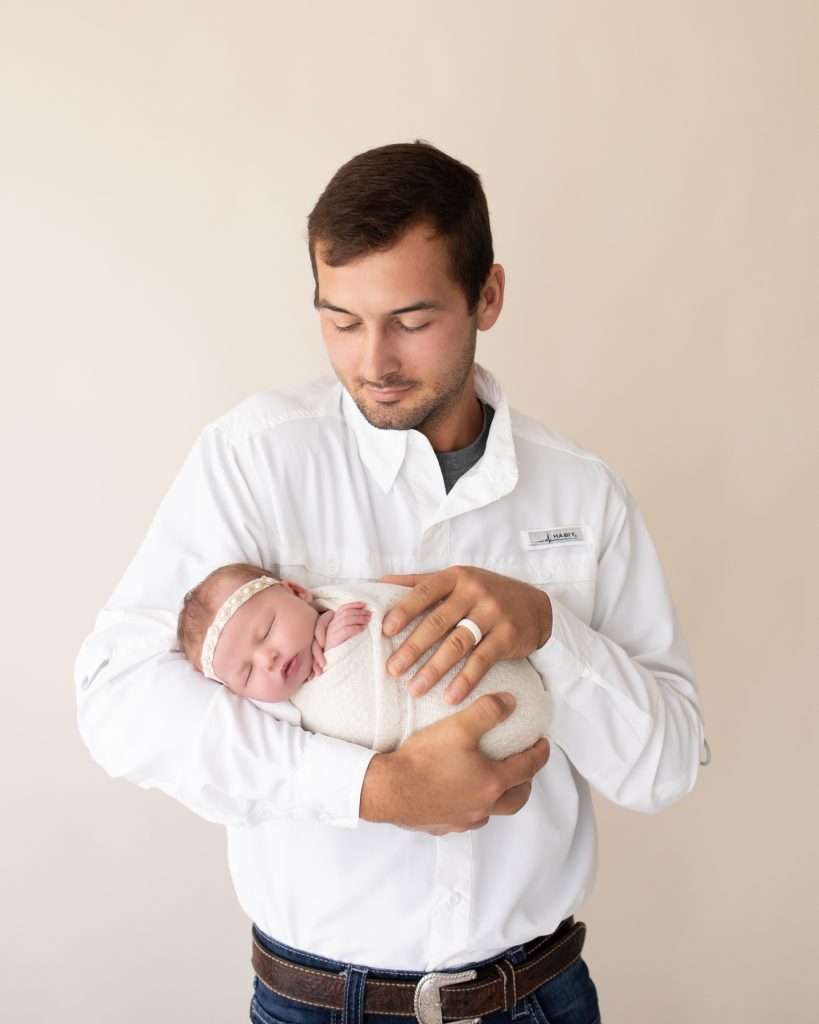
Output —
(414, 308)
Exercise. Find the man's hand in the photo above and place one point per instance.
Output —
(439, 781)
(514, 618)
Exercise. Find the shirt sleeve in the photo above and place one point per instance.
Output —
(625, 705)
(147, 715)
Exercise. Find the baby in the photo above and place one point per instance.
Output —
(266, 648)
(273, 640)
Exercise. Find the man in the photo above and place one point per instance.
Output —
(409, 466)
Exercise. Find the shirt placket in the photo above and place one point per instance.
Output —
(423, 474)
(452, 889)
(451, 898)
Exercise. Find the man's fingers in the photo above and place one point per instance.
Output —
(441, 600)
(426, 590)
(405, 580)
(512, 777)
(513, 799)
(435, 625)
(521, 768)
(482, 658)
(459, 644)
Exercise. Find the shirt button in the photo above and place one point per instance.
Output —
(453, 899)
(333, 567)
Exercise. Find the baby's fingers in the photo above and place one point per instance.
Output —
(319, 661)
(349, 615)
(354, 612)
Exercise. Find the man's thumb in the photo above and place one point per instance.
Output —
(488, 711)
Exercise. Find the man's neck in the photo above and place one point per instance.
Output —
(455, 464)
(460, 428)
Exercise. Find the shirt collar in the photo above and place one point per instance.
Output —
(383, 451)
(496, 472)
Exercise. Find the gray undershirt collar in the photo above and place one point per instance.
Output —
(455, 464)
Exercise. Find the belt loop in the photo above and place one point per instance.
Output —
(355, 980)
(518, 1007)
(516, 955)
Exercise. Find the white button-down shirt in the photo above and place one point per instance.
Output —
(300, 483)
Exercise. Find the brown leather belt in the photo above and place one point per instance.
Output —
(431, 997)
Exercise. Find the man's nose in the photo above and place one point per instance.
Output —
(379, 356)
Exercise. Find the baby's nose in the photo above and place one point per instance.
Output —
(268, 655)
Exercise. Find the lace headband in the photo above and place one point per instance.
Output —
(224, 615)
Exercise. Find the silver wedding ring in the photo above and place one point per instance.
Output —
(473, 628)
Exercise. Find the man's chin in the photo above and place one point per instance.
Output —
(390, 415)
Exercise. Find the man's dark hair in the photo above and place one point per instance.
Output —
(375, 197)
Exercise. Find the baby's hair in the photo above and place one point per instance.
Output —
(201, 604)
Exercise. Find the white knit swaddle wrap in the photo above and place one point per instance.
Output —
(356, 699)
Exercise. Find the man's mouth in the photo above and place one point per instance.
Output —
(390, 394)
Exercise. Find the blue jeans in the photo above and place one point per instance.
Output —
(568, 998)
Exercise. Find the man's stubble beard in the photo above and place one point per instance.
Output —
(433, 410)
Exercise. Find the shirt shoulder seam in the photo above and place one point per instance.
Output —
(237, 434)
(537, 434)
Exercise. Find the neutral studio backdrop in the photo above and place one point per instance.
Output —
(651, 171)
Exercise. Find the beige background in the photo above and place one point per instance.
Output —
(651, 169)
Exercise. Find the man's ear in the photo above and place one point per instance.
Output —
(298, 590)
(490, 301)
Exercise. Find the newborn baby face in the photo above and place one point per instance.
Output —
(265, 650)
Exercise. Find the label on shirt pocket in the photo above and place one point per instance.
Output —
(554, 537)
(562, 560)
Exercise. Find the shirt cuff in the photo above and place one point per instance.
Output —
(330, 779)
(564, 658)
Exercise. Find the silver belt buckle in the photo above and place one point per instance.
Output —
(427, 1001)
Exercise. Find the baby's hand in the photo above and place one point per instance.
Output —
(319, 640)
(349, 620)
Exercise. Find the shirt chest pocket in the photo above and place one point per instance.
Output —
(324, 564)
(567, 574)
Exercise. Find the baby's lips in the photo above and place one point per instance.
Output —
(290, 666)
